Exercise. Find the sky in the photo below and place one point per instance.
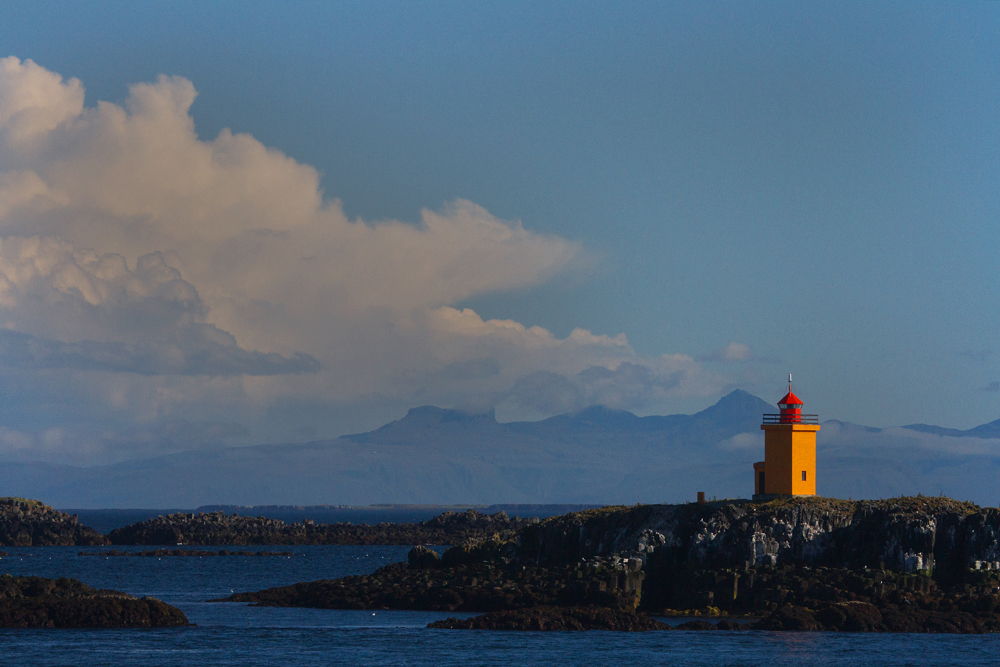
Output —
(243, 223)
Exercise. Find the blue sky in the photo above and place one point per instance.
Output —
(749, 188)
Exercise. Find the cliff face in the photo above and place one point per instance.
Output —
(903, 534)
(29, 523)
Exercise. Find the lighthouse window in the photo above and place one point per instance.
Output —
(803, 475)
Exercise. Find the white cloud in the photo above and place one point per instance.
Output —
(629, 385)
(34, 100)
(903, 442)
(132, 248)
(112, 318)
(744, 442)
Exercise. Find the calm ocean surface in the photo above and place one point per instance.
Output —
(236, 634)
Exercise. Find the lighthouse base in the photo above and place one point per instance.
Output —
(764, 497)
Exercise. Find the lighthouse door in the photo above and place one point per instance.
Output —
(761, 487)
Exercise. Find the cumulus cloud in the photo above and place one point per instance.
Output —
(903, 442)
(200, 356)
(191, 276)
(114, 318)
(34, 100)
(631, 385)
(744, 442)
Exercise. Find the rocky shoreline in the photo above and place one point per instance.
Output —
(36, 602)
(555, 618)
(520, 597)
(29, 523)
(808, 564)
(216, 528)
(898, 565)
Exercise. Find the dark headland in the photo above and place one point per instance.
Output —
(896, 565)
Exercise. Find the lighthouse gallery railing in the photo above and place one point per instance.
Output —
(791, 419)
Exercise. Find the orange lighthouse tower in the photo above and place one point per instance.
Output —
(789, 465)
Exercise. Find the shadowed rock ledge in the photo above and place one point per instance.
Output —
(36, 602)
(555, 618)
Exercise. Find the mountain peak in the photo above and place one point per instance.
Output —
(738, 402)
(431, 414)
(421, 418)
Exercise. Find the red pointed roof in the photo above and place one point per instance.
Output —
(790, 399)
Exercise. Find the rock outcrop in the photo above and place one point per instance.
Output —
(905, 602)
(858, 616)
(29, 523)
(472, 587)
(900, 565)
(35, 602)
(903, 534)
(217, 528)
(555, 618)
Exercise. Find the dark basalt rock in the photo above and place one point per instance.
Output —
(901, 534)
(802, 564)
(555, 618)
(790, 617)
(726, 624)
(29, 523)
(422, 558)
(478, 587)
(865, 617)
(35, 602)
(216, 528)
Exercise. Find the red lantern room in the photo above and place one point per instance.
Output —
(791, 407)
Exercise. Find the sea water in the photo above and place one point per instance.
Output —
(239, 634)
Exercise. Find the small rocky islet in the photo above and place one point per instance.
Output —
(37, 602)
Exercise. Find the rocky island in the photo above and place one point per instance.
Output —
(29, 523)
(36, 602)
(217, 528)
(898, 565)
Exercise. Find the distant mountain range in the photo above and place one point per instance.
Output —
(991, 430)
(598, 455)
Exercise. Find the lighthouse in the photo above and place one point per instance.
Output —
(789, 465)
